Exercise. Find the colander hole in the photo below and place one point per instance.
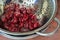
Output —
(24, 2)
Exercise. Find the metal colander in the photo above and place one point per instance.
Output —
(45, 8)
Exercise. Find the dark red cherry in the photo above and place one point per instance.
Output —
(26, 25)
(21, 24)
(3, 18)
(24, 11)
(28, 11)
(25, 17)
(33, 17)
(14, 20)
(6, 26)
(17, 13)
(36, 24)
(31, 27)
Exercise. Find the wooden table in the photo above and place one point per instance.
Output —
(52, 27)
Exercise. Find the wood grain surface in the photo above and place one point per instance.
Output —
(52, 27)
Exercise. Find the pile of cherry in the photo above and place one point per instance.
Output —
(19, 19)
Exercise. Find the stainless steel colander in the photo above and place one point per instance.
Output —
(44, 8)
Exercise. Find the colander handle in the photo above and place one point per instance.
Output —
(51, 33)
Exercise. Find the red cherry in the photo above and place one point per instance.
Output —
(7, 16)
(13, 29)
(17, 5)
(6, 26)
(26, 25)
(12, 25)
(25, 17)
(24, 12)
(22, 9)
(10, 28)
(21, 19)
(11, 14)
(3, 18)
(17, 14)
(17, 9)
(21, 25)
(36, 24)
(31, 27)
(28, 11)
(31, 14)
(17, 25)
(33, 17)
(14, 20)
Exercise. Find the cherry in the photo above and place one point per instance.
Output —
(3, 18)
(10, 29)
(33, 17)
(6, 25)
(22, 9)
(14, 20)
(11, 14)
(26, 25)
(13, 29)
(7, 16)
(36, 24)
(24, 12)
(28, 10)
(21, 25)
(17, 5)
(31, 14)
(17, 13)
(21, 19)
(31, 27)
(25, 17)
(12, 25)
